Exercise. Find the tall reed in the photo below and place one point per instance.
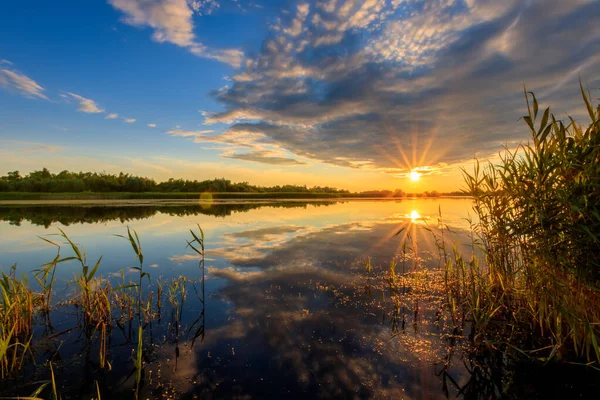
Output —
(539, 226)
(18, 306)
(94, 298)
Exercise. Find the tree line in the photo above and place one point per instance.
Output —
(44, 181)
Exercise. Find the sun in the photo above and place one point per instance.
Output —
(414, 176)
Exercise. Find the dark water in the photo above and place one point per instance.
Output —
(289, 311)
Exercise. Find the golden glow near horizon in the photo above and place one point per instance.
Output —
(414, 176)
(414, 215)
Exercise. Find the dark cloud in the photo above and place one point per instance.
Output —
(396, 85)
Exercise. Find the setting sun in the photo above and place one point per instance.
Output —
(414, 176)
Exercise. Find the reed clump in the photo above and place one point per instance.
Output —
(99, 307)
(18, 306)
(538, 291)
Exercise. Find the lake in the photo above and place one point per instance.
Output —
(294, 302)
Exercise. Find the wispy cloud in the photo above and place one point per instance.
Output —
(30, 147)
(129, 120)
(112, 116)
(181, 133)
(239, 144)
(172, 21)
(151, 125)
(86, 105)
(265, 157)
(15, 81)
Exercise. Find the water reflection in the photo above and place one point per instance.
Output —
(415, 216)
(287, 307)
(80, 214)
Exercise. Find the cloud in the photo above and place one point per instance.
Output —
(151, 125)
(112, 116)
(178, 132)
(296, 28)
(265, 158)
(30, 147)
(20, 83)
(395, 85)
(172, 22)
(129, 120)
(86, 105)
(204, 7)
(245, 145)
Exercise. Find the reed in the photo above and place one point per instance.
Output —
(538, 291)
(45, 276)
(197, 244)
(134, 241)
(18, 306)
(138, 362)
(95, 300)
(93, 296)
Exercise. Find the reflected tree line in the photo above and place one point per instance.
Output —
(68, 215)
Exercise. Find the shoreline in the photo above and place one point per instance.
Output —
(175, 202)
(120, 198)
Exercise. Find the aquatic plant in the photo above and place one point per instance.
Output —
(138, 363)
(134, 240)
(93, 301)
(18, 305)
(197, 244)
(93, 297)
(538, 291)
(45, 276)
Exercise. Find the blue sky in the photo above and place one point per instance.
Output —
(347, 93)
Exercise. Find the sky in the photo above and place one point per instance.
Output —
(355, 94)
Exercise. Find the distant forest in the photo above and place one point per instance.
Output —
(45, 181)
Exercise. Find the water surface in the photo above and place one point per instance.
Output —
(290, 309)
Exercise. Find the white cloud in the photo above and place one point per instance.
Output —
(204, 7)
(417, 39)
(12, 80)
(172, 21)
(152, 125)
(129, 120)
(296, 28)
(86, 105)
(112, 116)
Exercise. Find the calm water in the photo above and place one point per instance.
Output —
(290, 310)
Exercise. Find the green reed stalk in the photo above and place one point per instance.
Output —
(539, 226)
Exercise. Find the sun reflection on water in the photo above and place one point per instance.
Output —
(414, 216)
